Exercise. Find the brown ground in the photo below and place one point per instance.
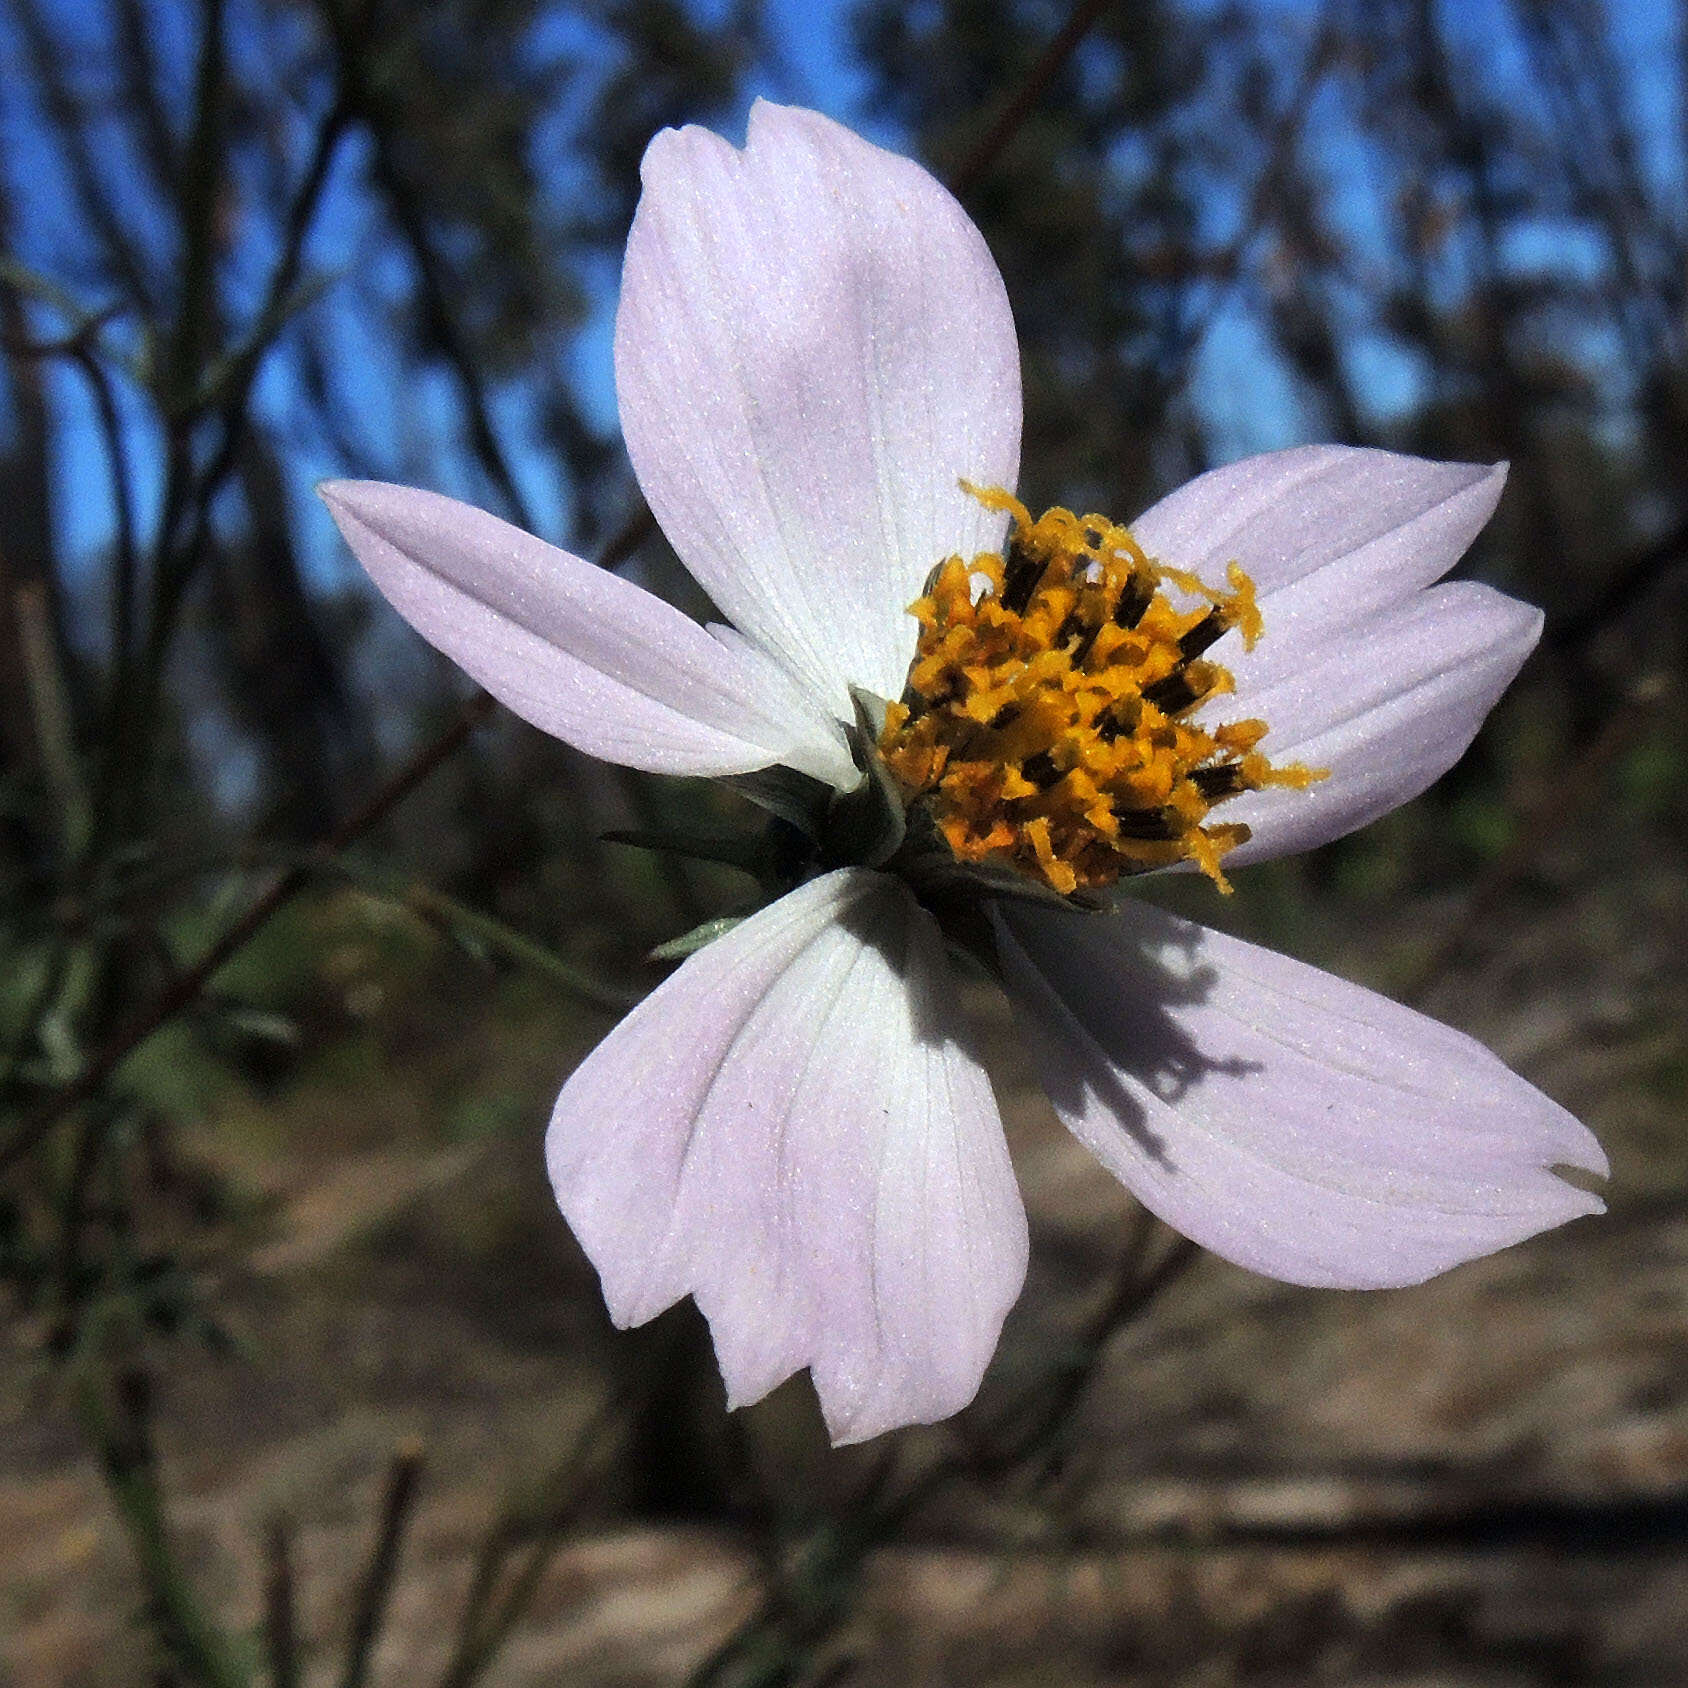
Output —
(1483, 1481)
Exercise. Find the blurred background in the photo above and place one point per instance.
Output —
(305, 1379)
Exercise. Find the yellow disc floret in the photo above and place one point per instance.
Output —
(1046, 719)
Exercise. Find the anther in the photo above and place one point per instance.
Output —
(1112, 722)
(1208, 631)
(1038, 735)
(1176, 693)
(1021, 571)
(1134, 598)
(1150, 825)
(1225, 780)
(1076, 656)
(1040, 769)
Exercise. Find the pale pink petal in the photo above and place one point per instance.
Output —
(813, 346)
(788, 1131)
(580, 653)
(1385, 709)
(1360, 670)
(1330, 535)
(1287, 1120)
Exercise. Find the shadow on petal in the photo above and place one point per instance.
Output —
(1291, 1122)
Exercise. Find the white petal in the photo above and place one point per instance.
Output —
(580, 653)
(1359, 671)
(813, 345)
(1387, 708)
(1329, 534)
(1287, 1120)
(788, 1131)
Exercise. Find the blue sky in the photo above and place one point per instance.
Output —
(1237, 386)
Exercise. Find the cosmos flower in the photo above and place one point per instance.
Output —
(819, 388)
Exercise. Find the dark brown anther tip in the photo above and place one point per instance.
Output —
(1208, 631)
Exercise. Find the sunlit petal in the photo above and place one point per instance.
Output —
(1331, 535)
(580, 653)
(788, 1130)
(813, 345)
(1386, 709)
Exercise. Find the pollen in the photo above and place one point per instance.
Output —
(1048, 719)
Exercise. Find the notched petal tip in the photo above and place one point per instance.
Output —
(812, 344)
(786, 1131)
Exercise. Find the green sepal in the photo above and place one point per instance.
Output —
(798, 799)
(935, 875)
(750, 854)
(689, 943)
(866, 827)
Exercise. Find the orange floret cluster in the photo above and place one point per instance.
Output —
(1046, 720)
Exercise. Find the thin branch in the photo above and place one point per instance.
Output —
(1630, 582)
(1187, 339)
(189, 494)
(784, 1633)
(143, 77)
(453, 917)
(274, 310)
(185, 989)
(198, 491)
(124, 1443)
(364, 103)
(396, 1507)
(81, 348)
(48, 61)
(182, 992)
(179, 368)
(996, 138)
(281, 1627)
(1138, 1284)
(486, 1622)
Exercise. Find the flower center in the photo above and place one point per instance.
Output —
(1046, 719)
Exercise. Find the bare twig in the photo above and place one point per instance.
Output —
(1060, 49)
(80, 346)
(1629, 583)
(49, 704)
(49, 62)
(364, 103)
(183, 991)
(447, 914)
(803, 1609)
(281, 1629)
(490, 1615)
(115, 1414)
(396, 1505)
(187, 986)
(1137, 1285)
(1228, 264)
(283, 280)
(190, 492)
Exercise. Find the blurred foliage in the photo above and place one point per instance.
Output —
(248, 243)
